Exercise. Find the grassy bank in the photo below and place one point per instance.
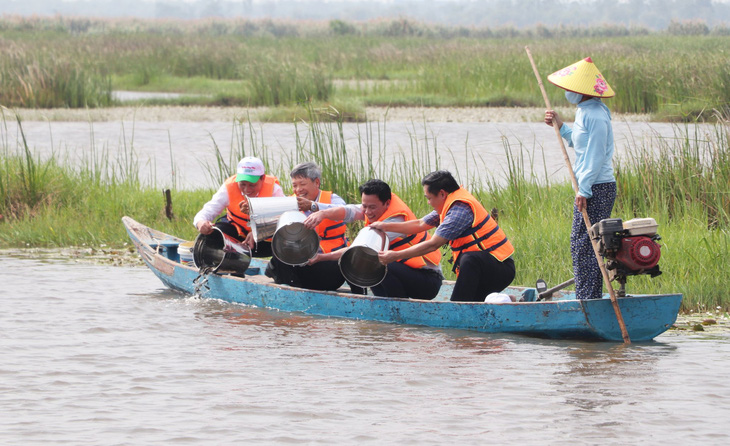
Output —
(51, 203)
(76, 62)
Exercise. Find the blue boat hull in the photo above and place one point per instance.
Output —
(645, 316)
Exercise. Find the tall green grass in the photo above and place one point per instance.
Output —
(52, 201)
(682, 182)
(33, 81)
(675, 177)
(257, 63)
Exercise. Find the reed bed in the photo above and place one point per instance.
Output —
(37, 81)
(48, 202)
(257, 63)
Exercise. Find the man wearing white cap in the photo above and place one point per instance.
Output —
(592, 139)
(250, 181)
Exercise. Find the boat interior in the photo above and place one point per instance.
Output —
(169, 247)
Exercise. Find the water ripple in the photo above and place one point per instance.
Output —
(95, 352)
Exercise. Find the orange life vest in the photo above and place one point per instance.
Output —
(233, 212)
(398, 207)
(484, 235)
(331, 233)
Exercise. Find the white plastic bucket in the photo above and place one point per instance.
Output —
(185, 250)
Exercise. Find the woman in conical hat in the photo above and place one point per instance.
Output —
(591, 136)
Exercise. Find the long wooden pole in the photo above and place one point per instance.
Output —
(549, 292)
(604, 273)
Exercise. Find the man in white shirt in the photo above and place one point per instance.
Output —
(250, 180)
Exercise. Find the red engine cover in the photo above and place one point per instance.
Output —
(637, 253)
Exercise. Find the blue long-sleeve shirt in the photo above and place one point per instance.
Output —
(592, 139)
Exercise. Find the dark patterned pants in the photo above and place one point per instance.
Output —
(588, 278)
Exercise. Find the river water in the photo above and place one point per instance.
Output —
(176, 153)
(94, 354)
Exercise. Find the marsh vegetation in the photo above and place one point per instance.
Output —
(49, 202)
(62, 62)
(336, 69)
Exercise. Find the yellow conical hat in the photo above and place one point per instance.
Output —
(582, 77)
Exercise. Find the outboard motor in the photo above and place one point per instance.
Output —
(630, 248)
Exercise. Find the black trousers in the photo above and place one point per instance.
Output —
(261, 249)
(480, 274)
(322, 276)
(404, 281)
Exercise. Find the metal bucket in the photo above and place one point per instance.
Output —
(293, 243)
(359, 263)
(221, 252)
(265, 212)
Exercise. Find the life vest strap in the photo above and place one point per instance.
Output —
(478, 240)
(490, 249)
(333, 237)
(474, 229)
(343, 245)
(332, 228)
(405, 240)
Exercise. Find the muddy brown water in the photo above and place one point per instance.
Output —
(102, 354)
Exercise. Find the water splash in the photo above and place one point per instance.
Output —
(201, 282)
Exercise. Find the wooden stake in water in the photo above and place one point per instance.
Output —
(586, 219)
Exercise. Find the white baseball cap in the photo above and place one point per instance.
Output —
(249, 169)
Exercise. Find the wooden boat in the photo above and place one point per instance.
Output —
(646, 316)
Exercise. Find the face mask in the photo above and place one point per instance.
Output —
(573, 98)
